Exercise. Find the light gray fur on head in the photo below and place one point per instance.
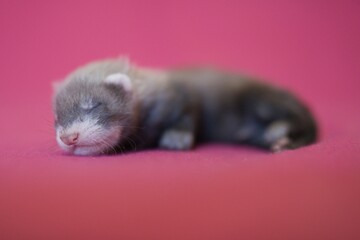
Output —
(97, 109)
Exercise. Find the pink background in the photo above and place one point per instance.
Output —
(215, 191)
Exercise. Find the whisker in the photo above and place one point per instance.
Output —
(109, 145)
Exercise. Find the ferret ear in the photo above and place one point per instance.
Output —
(119, 79)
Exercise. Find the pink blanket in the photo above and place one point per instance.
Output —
(216, 191)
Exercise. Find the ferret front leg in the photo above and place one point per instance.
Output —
(181, 136)
(177, 139)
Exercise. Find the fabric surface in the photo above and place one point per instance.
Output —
(215, 191)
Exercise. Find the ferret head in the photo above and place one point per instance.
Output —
(92, 114)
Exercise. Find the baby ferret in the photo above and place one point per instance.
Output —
(112, 105)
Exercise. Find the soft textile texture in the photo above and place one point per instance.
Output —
(216, 191)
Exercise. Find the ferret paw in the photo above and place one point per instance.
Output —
(277, 130)
(280, 145)
(177, 140)
(276, 135)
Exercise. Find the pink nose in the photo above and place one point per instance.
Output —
(70, 139)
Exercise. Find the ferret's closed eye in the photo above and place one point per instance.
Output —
(96, 105)
(90, 106)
